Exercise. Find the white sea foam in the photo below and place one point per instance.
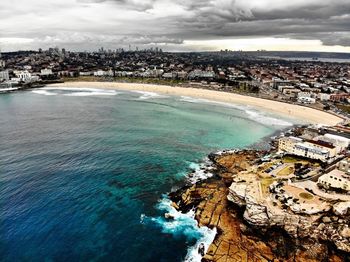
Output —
(200, 171)
(93, 93)
(229, 151)
(207, 238)
(194, 100)
(44, 92)
(148, 95)
(74, 91)
(252, 113)
(266, 120)
(182, 225)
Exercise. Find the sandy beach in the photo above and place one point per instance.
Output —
(306, 114)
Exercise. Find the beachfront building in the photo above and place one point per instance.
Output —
(336, 179)
(317, 150)
(341, 143)
(306, 98)
(4, 75)
(23, 76)
(199, 74)
(46, 72)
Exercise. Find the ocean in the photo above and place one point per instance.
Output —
(84, 173)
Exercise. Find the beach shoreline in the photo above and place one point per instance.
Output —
(306, 114)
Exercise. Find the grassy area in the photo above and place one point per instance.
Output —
(305, 195)
(286, 171)
(290, 159)
(265, 183)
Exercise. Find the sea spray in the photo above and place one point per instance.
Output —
(182, 224)
(200, 171)
(75, 91)
(148, 95)
(44, 92)
(252, 113)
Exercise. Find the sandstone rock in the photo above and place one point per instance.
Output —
(345, 232)
(257, 215)
(341, 208)
(326, 220)
(271, 236)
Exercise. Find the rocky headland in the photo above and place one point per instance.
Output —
(248, 230)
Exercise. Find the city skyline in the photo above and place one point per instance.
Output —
(178, 25)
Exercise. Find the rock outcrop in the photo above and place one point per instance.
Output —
(248, 230)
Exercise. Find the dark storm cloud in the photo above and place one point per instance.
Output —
(146, 22)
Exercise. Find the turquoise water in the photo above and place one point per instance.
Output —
(82, 172)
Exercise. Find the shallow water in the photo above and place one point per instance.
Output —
(83, 172)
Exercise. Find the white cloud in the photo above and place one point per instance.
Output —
(90, 23)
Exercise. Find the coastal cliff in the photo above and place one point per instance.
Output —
(248, 231)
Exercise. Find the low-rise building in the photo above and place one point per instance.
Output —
(23, 76)
(4, 75)
(306, 98)
(317, 150)
(335, 179)
(344, 166)
(46, 72)
(341, 143)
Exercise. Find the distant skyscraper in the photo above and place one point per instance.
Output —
(2, 62)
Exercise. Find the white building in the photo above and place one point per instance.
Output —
(169, 75)
(306, 98)
(341, 143)
(324, 96)
(309, 149)
(23, 76)
(4, 75)
(46, 72)
(89, 73)
(335, 179)
(344, 166)
(99, 73)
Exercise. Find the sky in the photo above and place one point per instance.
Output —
(176, 25)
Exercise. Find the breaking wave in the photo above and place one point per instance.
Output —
(148, 95)
(77, 91)
(44, 92)
(93, 93)
(249, 111)
(200, 171)
(181, 224)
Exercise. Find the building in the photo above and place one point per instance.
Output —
(339, 97)
(324, 96)
(306, 98)
(199, 74)
(23, 76)
(341, 143)
(317, 150)
(169, 75)
(46, 72)
(344, 166)
(286, 144)
(4, 75)
(2, 62)
(335, 179)
(99, 73)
